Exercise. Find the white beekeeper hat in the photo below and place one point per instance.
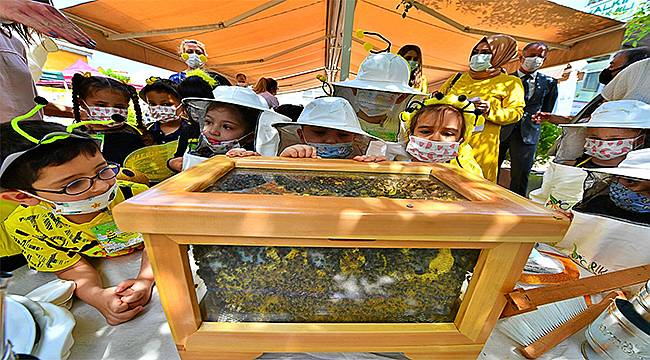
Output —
(382, 72)
(626, 114)
(235, 95)
(329, 112)
(636, 165)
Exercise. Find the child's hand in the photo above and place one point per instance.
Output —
(175, 164)
(369, 158)
(113, 308)
(299, 151)
(239, 152)
(134, 292)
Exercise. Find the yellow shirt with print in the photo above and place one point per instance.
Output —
(52, 243)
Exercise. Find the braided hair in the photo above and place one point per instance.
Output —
(83, 86)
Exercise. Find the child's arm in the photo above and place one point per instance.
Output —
(239, 152)
(90, 290)
(369, 158)
(299, 151)
(137, 292)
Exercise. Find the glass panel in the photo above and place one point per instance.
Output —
(332, 285)
(331, 183)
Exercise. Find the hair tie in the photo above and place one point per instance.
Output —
(152, 79)
(87, 74)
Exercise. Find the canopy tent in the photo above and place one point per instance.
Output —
(81, 67)
(295, 40)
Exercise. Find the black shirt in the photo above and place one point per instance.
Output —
(119, 143)
(160, 137)
(187, 133)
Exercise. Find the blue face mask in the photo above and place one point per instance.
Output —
(333, 151)
(629, 200)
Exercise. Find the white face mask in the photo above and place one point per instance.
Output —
(86, 206)
(531, 64)
(222, 147)
(104, 113)
(609, 149)
(480, 62)
(432, 151)
(161, 114)
(375, 103)
(194, 61)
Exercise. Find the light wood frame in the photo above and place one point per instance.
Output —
(175, 214)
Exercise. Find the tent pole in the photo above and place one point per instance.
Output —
(346, 50)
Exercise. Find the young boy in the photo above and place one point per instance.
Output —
(66, 191)
(327, 128)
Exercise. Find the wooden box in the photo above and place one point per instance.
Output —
(334, 256)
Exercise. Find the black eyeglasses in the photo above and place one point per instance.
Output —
(85, 183)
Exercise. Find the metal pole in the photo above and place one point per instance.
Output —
(347, 38)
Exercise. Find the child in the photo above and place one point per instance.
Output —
(327, 128)
(66, 189)
(100, 98)
(439, 131)
(615, 129)
(198, 85)
(379, 93)
(611, 224)
(166, 119)
(229, 121)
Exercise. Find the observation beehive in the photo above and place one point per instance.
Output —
(334, 256)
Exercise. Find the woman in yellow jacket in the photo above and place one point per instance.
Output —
(498, 95)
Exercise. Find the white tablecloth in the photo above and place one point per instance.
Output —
(148, 337)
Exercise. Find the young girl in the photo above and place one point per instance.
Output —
(100, 98)
(227, 122)
(327, 128)
(166, 119)
(439, 129)
(615, 129)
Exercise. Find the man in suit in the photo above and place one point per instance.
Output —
(521, 138)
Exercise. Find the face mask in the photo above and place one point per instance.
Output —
(333, 151)
(531, 64)
(242, 84)
(609, 149)
(413, 65)
(104, 113)
(432, 151)
(194, 61)
(86, 206)
(375, 103)
(629, 200)
(161, 114)
(222, 147)
(480, 62)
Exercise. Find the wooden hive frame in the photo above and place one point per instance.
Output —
(176, 214)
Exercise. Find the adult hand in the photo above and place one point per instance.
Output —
(239, 152)
(115, 310)
(369, 158)
(45, 19)
(540, 117)
(482, 105)
(299, 151)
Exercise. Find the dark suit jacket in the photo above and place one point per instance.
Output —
(543, 99)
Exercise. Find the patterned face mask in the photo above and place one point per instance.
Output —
(629, 200)
(333, 151)
(86, 206)
(222, 147)
(609, 149)
(432, 151)
(160, 114)
(104, 113)
(375, 103)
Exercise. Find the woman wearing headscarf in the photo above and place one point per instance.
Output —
(499, 96)
(413, 55)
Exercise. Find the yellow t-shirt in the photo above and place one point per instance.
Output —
(52, 243)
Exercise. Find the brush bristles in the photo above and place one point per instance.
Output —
(527, 328)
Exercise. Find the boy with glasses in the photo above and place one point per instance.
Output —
(66, 191)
